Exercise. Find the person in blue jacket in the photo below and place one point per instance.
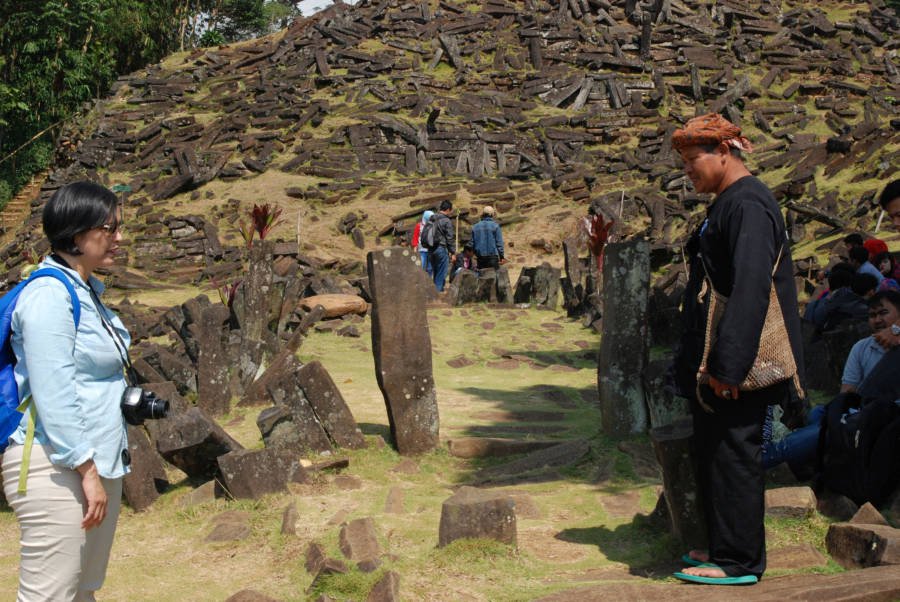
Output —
(74, 376)
(488, 240)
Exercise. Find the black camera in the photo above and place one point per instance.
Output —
(139, 405)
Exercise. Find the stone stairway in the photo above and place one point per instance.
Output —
(17, 210)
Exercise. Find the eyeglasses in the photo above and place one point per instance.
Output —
(109, 229)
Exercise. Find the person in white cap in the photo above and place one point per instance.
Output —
(488, 240)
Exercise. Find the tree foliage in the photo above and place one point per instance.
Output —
(57, 54)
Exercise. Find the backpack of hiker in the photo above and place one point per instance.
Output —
(859, 442)
(11, 410)
(428, 236)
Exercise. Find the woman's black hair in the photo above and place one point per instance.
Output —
(76, 208)
(876, 261)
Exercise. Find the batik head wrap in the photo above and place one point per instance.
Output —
(707, 129)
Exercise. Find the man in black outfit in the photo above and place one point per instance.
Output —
(739, 242)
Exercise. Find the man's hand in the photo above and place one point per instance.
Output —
(94, 495)
(502, 260)
(722, 390)
(886, 338)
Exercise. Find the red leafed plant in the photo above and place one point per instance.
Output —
(598, 234)
(227, 291)
(262, 219)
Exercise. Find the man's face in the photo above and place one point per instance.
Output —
(705, 169)
(883, 315)
(893, 212)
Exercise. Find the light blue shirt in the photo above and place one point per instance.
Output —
(75, 379)
(868, 268)
(863, 357)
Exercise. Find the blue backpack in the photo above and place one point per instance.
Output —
(11, 410)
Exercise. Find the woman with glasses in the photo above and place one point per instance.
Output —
(73, 374)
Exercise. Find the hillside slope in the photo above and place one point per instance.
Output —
(362, 116)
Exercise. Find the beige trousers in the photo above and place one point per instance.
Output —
(61, 562)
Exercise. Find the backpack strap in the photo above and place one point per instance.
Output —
(27, 402)
(29, 443)
(67, 282)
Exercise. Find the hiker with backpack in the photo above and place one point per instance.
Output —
(417, 240)
(66, 459)
(740, 290)
(440, 239)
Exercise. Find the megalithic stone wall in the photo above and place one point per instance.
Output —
(624, 342)
(401, 343)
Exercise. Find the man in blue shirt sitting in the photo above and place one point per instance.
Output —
(798, 448)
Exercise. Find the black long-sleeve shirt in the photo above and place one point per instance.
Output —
(739, 242)
(445, 234)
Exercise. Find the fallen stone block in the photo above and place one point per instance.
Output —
(255, 473)
(486, 447)
(192, 441)
(359, 542)
(292, 423)
(868, 515)
(793, 502)
(250, 595)
(477, 513)
(860, 546)
(147, 478)
(329, 406)
(336, 304)
(330, 566)
(541, 462)
(386, 590)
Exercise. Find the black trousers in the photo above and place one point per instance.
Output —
(488, 261)
(728, 443)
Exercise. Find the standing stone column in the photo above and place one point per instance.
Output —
(252, 308)
(401, 343)
(213, 392)
(623, 346)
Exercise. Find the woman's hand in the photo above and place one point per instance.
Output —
(94, 495)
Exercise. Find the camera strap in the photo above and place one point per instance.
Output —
(121, 347)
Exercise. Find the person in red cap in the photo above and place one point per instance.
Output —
(742, 247)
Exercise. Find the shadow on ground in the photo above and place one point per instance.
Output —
(648, 550)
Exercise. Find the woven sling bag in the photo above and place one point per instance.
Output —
(774, 360)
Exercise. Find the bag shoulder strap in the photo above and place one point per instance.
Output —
(67, 282)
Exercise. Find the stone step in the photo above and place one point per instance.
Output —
(877, 583)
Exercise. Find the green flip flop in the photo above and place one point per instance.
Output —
(741, 580)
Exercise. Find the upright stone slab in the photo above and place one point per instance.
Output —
(504, 288)
(213, 392)
(462, 288)
(663, 405)
(623, 345)
(401, 344)
(673, 449)
(538, 285)
(329, 406)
